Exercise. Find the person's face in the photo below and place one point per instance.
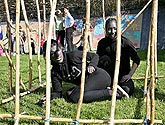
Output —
(59, 57)
(56, 53)
(65, 11)
(111, 29)
(59, 13)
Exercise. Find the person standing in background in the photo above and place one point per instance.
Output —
(69, 21)
(83, 34)
(60, 32)
(22, 38)
(33, 46)
(41, 44)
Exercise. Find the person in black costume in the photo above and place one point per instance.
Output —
(33, 46)
(67, 66)
(106, 50)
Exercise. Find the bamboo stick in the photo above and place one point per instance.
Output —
(21, 94)
(147, 91)
(143, 78)
(51, 4)
(44, 22)
(136, 17)
(155, 49)
(9, 45)
(29, 43)
(103, 2)
(148, 104)
(84, 59)
(117, 64)
(39, 42)
(54, 30)
(85, 121)
(147, 63)
(152, 58)
(48, 79)
(16, 118)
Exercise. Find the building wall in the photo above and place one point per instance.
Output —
(146, 26)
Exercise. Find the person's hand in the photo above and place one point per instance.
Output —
(125, 78)
(91, 69)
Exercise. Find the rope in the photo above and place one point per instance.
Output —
(28, 91)
(144, 91)
(75, 122)
(47, 120)
(146, 121)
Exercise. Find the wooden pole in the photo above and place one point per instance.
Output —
(21, 94)
(87, 23)
(117, 64)
(48, 79)
(54, 30)
(29, 43)
(51, 4)
(155, 61)
(9, 45)
(44, 22)
(136, 16)
(147, 63)
(147, 91)
(39, 42)
(103, 2)
(83, 121)
(143, 78)
(148, 104)
(152, 58)
(17, 63)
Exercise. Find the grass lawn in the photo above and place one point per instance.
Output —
(132, 108)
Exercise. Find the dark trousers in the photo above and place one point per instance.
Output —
(106, 63)
(95, 88)
(69, 39)
(60, 34)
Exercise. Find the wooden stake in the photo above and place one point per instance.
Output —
(147, 63)
(17, 63)
(103, 11)
(21, 94)
(83, 121)
(9, 45)
(39, 42)
(117, 64)
(29, 43)
(147, 91)
(44, 23)
(84, 59)
(48, 79)
(148, 104)
(152, 58)
(143, 78)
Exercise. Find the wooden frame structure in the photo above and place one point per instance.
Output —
(112, 120)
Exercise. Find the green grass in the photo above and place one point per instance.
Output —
(132, 108)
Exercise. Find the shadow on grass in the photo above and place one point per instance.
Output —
(7, 121)
(159, 96)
